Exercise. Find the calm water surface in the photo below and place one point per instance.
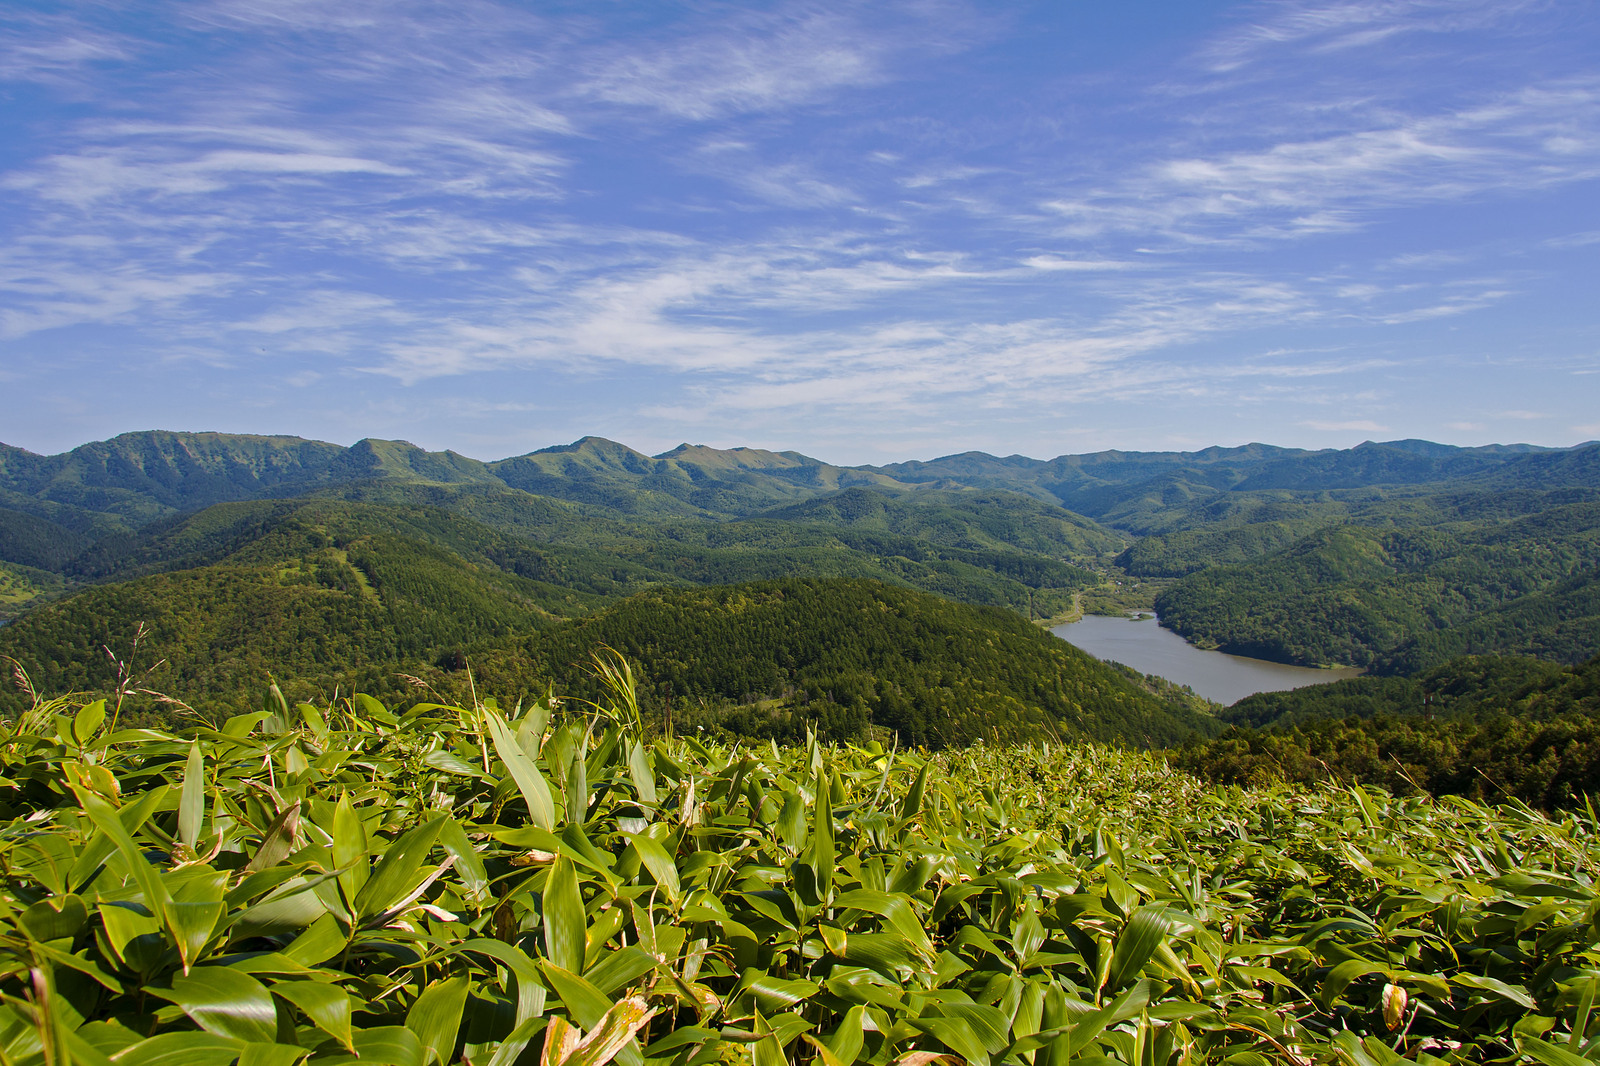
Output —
(1149, 649)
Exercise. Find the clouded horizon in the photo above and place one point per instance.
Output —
(867, 232)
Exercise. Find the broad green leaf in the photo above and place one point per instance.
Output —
(278, 841)
(992, 1027)
(124, 923)
(181, 1049)
(314, 720)
(81, 1051)
(88, 721)
(373, 710)
(192, 925)
(823, 855)
(512, 1047)
(792, 822)
(535, 790)
(644, 779)
(295, 906)
(530, 989)
(435, 1018)
(450, 763)
(1139, 939)
(1086, 1027)
(683, 1036)
(103, 845)
(768, 1048)
(847, 1040)
(565, 923)
(911, 806)
(619, 969)
(350, 849)
(192, 803)
(1340, 976)
(886, 953)
(396, 875)
(576, 787)
(328, 1006)
(144, 875)
(272, 1054)
(321, 941)
(659, 863)
(955, 1034)
(585, 1003)
(1515, 994)
(1551, 1054)
(895, 908)
(469, 864)
(55, 919)
(225, 1002)
(389, 1045)
(776, 993)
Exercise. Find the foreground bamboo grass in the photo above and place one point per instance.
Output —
(349, 883)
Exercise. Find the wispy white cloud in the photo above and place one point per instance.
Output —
(1358, 425)
(1051, 263)
(762, 61)
(1304, 188)
(54, 48)
(772, 213)
(1321, 27)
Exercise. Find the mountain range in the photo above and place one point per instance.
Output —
(1394, 555)
(136, 477)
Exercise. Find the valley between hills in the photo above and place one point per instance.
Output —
(771, 595)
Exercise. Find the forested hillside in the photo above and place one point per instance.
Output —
(1490, 728)
(384, 613)
(839, 656)
(1406, 599)
(336, 612)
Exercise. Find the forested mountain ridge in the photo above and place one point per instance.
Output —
(1406, 599)
(1394, 555)
(976, 519)
(137, 476)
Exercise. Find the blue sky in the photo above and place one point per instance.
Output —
(868, 232)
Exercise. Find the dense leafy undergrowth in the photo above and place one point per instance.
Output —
(349, 883)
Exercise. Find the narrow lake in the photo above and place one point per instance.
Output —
(1149, 649)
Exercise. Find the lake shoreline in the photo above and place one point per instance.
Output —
(1137, 640)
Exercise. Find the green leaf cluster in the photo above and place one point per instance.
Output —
(341, 883)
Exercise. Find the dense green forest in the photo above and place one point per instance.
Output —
(1405, 599)
(1491, 728)
(840, 656)
(846, 658)
(334, 613)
